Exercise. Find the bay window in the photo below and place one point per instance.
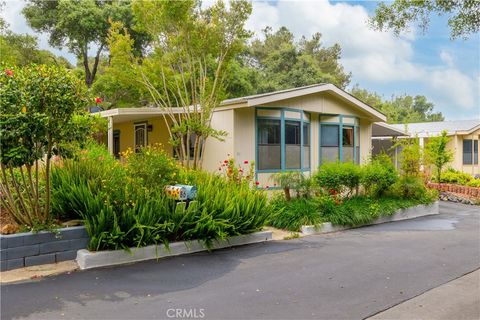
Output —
(283, 143)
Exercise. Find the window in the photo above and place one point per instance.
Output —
(292, 144)
(140, 136)
(280, 141)
(339, 144)
(470, 152)
(347, 143)
(269, 144)
(329, 142)
(306, 145)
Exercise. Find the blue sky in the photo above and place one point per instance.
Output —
(430, 64)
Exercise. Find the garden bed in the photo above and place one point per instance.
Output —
(402, 214)
(29, 249)
(89, 259)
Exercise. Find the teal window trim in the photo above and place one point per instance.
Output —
(340, 124)
(282, 139)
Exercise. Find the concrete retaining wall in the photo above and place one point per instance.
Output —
(29, 249)
(409, 213)
(88, 259)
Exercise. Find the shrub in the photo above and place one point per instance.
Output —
(378, 176)
(409, 187)
(437, 152)
(151, 167)
(290, 180)
(292, 215)
(453, 176)
(339, 177)
(410, 157)
(474, 183)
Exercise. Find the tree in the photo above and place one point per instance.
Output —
(400, 109)
(82, 25)
(40, 107)
(437, 153)
(283, 64)
(191, 50)
(397, 16)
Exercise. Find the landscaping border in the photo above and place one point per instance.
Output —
(89, 259)
(402, 214)
(30, 249)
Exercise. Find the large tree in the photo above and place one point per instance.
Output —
(82, 25)
(283, 63)
(191, 50)
(400, 109)
(464, 15)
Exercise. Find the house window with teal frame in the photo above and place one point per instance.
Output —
(339, 141)
(283, 143)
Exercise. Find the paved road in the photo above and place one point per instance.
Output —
(347, 275)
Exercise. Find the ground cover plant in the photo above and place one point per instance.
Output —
(123, 205)
(349, 194)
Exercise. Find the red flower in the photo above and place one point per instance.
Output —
(9, 72)
(245, 162)
(225, 161)
(98, 100)
(267, 187)
(257, 183)
(240, 170)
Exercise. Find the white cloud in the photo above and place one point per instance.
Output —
(446, 58)
(375, 57)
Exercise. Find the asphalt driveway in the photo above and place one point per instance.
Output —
(347, 275)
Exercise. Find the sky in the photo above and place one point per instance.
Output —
(446, 71)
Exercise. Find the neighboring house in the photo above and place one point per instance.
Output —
(464, 134)
(295, 129)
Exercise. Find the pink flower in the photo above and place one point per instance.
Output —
(9, 72)
(98, 100)
(267, 187)
(245, 162)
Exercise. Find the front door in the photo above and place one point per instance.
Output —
(140, 136)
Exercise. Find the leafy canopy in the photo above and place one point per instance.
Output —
(464, 15)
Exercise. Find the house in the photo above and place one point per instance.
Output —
(294, 129)
(464, 134)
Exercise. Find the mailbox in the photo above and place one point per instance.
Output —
(176, 192)
(191, 190)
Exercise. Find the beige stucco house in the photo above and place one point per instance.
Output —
(464, 139)
(295, 129)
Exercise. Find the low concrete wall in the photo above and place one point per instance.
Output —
(28, 249)
(403, 214)
(88, 259)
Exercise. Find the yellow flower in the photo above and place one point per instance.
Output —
(24, 109)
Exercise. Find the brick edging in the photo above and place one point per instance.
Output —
(455, 188)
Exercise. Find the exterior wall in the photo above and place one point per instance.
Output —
(458, 153)
(216, 151)
(159, 133)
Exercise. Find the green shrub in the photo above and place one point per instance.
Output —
(151, 167)
(293, 180)
(378, 176)
(363, 210)
(409, 187)
(453, 176)
(474, 183)
(292, 215)
(339, 177)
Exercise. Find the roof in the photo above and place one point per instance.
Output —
(427, 129)
(258, 100)
(383, 130)
(264, 98)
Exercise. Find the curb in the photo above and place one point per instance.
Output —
(90, 259)
(402, 214)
